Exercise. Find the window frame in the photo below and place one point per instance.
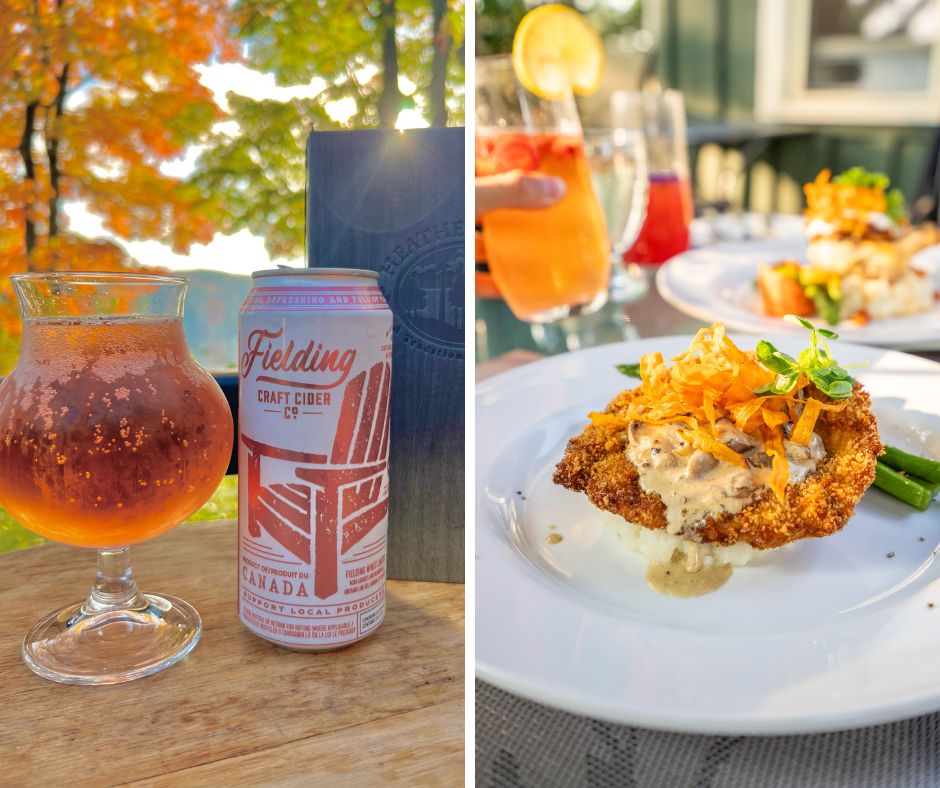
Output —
(782, 67)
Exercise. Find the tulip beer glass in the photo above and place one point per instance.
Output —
(552, 262)
(110, 434)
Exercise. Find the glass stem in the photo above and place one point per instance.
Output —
(115, 588)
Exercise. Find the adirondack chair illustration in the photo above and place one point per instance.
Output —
(335, 500)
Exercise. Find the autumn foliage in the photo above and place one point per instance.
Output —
(94, 96)
(360, 52)
(97, 95)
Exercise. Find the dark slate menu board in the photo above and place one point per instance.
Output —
(394, 202)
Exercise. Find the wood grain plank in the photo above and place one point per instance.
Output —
(869, 148)
(367, 755)
(668, 61)
(708, 51)
(234, 695)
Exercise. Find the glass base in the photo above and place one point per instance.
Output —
(75, 647)
(628, 283)
(554, 314)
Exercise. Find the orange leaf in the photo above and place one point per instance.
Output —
(807, 423)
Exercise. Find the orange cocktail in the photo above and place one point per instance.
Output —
(548, 263)
(552, 261)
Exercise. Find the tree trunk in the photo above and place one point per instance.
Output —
(52, 150)
(390, 100)
(443, 42)
(29, 181)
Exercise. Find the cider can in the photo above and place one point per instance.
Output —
(315, 362)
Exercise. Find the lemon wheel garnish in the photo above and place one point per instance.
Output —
(555, 50)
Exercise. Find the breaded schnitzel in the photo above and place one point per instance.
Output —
(728, 447)
(595, 463)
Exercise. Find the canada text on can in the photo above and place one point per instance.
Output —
(315, 350)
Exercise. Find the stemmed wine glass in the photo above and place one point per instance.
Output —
(110, 434)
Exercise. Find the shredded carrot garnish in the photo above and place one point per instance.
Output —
(803, 430)
(744, 412)
(846, 206)
(780, 468)
(606, 420)
(774, 418)
(716, 448)
(714, 379)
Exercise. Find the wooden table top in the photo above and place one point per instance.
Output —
(237, 710)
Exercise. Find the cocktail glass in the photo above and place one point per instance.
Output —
(110, 434)
(665, 232)
(548, 263)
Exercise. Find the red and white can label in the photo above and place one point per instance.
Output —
(315, 376)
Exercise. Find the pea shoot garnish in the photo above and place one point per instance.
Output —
(630, 370)
(816, 363)
(908, 477)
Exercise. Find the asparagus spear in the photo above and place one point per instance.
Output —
(901, 487)
(912, 464)
(932, 487)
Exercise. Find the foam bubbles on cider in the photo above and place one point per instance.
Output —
(116, 347)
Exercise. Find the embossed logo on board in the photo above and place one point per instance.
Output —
(427, 289)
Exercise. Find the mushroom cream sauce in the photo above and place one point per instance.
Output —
(694, 484)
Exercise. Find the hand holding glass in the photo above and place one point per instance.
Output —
(548, 263)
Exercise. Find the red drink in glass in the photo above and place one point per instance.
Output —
(669, 212)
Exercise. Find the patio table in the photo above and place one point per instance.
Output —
(237, 711)
(523, 743)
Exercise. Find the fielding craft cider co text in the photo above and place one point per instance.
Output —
(315, 350)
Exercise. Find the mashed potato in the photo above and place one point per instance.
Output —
(659, 546)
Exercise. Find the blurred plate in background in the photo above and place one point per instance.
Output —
(718, 282)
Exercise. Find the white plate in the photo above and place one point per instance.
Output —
(718, 283)
(827, 634)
